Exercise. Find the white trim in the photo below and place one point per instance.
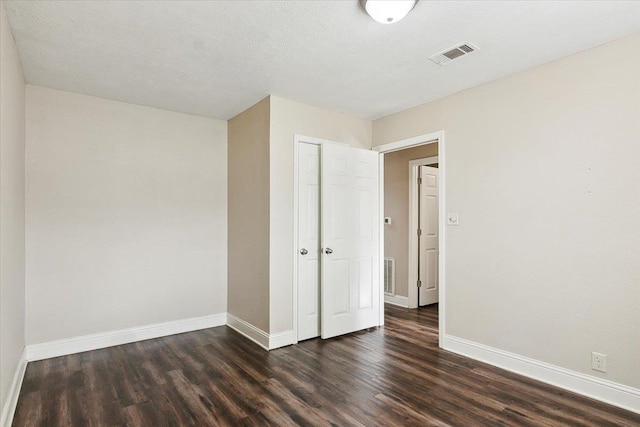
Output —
(412, 142)
(381, 239)
(409, 142)
(311, 140)
(606, 391)
(251, 332)
(397, 300)
(281, 339)
(425, 161)
(123, 336)
(9, 408)
(298, 139)
(412, 275)
(263, 339)
(442, 271)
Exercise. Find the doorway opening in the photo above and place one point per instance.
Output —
(412, 191)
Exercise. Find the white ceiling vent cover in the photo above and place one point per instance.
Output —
(448, 55)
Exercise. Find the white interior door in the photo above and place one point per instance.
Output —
(350, 295)
(308, 241)
(428, 239)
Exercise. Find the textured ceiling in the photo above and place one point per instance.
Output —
(217, 58)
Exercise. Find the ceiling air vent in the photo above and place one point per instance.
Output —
(449, 55)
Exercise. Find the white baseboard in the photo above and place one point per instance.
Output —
(245, 328)
(397, 300)
(607, 391)
(9, 407)
(124, 336)
(280, 339)
(258, 336)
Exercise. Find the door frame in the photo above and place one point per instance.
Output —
(429, 138)
(297, 140)
(412, 275)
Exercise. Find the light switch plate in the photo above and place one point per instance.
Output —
(452, 219)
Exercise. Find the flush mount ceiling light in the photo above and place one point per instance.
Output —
(388, 11)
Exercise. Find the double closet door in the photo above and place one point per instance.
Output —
(338, 240)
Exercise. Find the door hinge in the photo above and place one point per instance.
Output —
(419, 232)
(419, 283)
(420, 180)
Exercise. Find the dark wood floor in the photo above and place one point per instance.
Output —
(394, 375)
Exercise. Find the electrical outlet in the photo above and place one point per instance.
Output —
(598, 361)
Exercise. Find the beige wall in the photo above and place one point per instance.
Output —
(396, 206)
(289, 118)
(12, 143)
(126, 215)
(249, 215)
(542, 167)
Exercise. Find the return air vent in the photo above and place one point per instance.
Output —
(390, 276)
(446, 56)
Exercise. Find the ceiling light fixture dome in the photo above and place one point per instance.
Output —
(388, 11)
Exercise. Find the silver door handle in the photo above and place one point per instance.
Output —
(328, 251)
(303, 251)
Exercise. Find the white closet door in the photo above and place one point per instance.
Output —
(429, 235)
(308, 241)
(350, 240)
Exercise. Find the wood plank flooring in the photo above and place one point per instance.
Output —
(395, 375)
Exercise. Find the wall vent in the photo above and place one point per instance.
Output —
(390, 276)
(446, 56)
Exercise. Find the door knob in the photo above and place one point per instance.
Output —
(328, 251)
(303, 251)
